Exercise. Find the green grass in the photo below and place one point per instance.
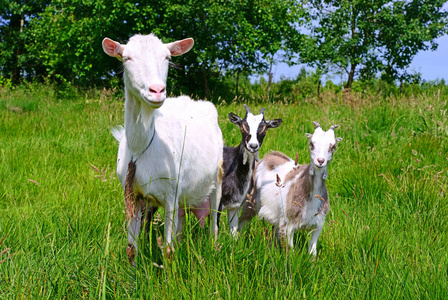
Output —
(62, 218)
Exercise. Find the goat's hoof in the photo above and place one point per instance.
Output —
(168, 251)
(130, 251)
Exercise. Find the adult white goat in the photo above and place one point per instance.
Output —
(173, 151)
(292, 196)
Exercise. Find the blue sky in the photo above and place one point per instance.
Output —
(431, 64)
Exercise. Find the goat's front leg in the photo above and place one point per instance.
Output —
(313, 242)
(290, 229)
(134, 226)
(171, 220)
(215, 199)
(232, 216)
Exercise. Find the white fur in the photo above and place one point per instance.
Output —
(182, 164)
(253, 121)
(272, 195)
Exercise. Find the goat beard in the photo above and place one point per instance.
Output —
(129, 196)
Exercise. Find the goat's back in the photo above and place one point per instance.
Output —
(271, 193)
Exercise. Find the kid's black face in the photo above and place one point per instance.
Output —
(253, 128)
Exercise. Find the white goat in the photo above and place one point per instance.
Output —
(239, 162)
(174, 150)
(292, 196)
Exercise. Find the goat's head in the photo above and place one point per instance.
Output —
(145, 59)
(322, 145)
(253, 128)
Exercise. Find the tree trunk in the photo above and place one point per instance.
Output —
(318, 88)
(269, 81)
(204, 73)
(351, 76)
(16, 26)
(237, 82)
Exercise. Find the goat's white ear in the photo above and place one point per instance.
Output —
(112, 48)
(235, 119)
(316, 124)
(333, 127)
(180, 47)
(308, 135)
(338, 139)
(274, 123)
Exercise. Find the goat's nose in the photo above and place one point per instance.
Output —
(321, 161)
(157, 89)
(253, 146)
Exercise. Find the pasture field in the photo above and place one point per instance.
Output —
(62, 222)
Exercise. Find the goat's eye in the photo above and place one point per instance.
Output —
(311, 146)
(126, 58)
(332, 147)
(168, 57)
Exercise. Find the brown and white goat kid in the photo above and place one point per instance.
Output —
(292, 196)
(239, 162)
(172, 146)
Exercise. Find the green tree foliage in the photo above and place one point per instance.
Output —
(66, 37)
(15, 15)
(366, 37)
(62, 38)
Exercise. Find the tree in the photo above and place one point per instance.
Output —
(62, 40)
(365, 37)
(231, 36)
(15, 61)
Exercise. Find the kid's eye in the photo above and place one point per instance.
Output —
(311, 146)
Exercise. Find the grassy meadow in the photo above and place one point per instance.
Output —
(62, 222)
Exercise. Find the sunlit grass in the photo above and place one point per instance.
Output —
(62, 225)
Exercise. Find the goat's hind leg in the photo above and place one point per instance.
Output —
(148, 214)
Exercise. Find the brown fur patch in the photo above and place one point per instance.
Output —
(130, 251)
(275, 159)
(298, 194)
(294, 172)
(129, 196)
(220, 171)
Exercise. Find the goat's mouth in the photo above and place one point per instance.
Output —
(251, 150)
(154, 103)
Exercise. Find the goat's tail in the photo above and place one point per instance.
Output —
(118, 132)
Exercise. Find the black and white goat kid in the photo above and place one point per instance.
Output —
(239, 162)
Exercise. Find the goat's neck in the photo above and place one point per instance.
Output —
(139, 124)
(317, 178)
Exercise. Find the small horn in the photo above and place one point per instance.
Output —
(316, 124)
(247, 108)
(262, 110)
(334, 127)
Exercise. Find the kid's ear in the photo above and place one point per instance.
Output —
(274, 123)
(338, 139)
(235, 119)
